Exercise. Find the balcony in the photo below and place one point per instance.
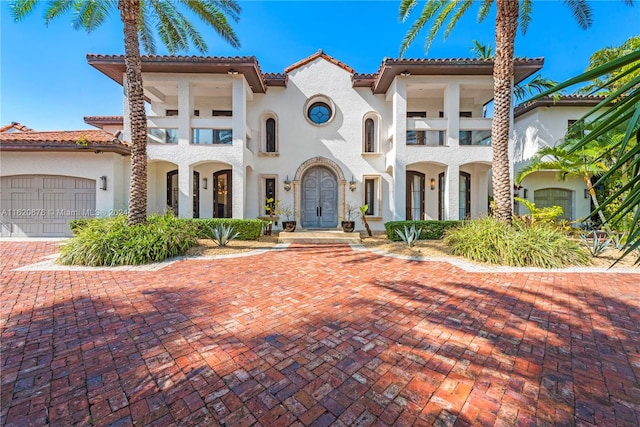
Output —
(162, 136)
(426, 132)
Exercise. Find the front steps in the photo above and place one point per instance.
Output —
(319, 237)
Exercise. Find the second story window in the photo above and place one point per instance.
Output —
(211, 136)
(416, 137)
(369, 136)
(171, 113)
(270, 146)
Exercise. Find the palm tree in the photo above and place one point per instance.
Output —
(585, 163)
(509, 14)
(139, 17)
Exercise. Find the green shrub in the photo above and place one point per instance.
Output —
(247, 229)
(76, 224)
(521, 245)
(110, 241)
(431, 229)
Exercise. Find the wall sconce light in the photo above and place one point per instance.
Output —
(524, 193)
(586, 193)
(405, 73)
(287, 184)
(432, 183)
(103, 183)
(352, 184)
(204, 183)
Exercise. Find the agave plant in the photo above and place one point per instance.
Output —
(410, 234)
(222, 234)
(597, 245)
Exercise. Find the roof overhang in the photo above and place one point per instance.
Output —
(113, 66)
(391, 68)
(562, 101)
(57, 147)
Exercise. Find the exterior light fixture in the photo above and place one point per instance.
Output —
(232, 72)
(432, 183)
(103, 183)
(352, 184)
(405, 73)
(586, 193)
(204, 183)
(287, 184)
(524, 193)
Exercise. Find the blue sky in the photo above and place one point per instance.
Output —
(46, 83)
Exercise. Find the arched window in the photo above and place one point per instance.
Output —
(369, 136)
(271, 135)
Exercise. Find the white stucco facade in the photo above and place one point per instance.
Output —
(545, 124)
(410, 144)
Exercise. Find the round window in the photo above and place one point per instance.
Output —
(319, 113)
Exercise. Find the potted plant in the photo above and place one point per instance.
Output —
(363, 217)
(349, 225)
(272, 207)
(289, 225)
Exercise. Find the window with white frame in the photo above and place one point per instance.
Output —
(371, 190)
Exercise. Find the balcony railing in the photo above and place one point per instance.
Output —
(428, 137)
(201, 136)
(475, 137)
(162, 136)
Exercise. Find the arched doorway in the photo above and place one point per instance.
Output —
(319, 201)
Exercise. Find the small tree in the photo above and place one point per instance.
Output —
(363, 216)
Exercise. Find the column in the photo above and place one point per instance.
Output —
(185, 190)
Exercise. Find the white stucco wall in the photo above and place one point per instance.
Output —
(545, 127)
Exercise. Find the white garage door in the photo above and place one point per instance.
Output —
(43, 205)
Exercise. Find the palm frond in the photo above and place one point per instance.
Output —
(406, 6)
(146, 24)
(57, 8)
(438, 22)
(429, 10)
(581, 12)
(211, 14)
(21, 8)
(526, 8)
(461, 10)
(90, 14)
(484, 10)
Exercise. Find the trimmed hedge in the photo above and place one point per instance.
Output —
(431, 229)
(248, 229)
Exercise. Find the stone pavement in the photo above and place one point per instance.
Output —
(315, 336)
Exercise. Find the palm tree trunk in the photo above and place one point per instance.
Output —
(594, 199)
(129, 11)
(506, 26)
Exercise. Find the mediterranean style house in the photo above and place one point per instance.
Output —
(410, 141)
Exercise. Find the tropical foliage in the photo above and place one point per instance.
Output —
(619, 108)
(110, 242)
(140, 18)
(509, 15)
(520, 245)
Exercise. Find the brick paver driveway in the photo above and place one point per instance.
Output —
(316, 336)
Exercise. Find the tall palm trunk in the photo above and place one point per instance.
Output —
(129, 12)
(506, 26)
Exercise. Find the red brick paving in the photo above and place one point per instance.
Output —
(315, 336)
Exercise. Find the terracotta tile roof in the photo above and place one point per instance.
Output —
(102, 121)
(113, 66)
(562, 101)
(70, 140)
(390, 68)
(16, 126)
(319, 54)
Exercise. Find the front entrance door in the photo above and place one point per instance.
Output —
(319, 199)
(173, 192)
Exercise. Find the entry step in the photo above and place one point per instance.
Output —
(319, 237)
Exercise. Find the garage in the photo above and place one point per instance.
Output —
(43, 205)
